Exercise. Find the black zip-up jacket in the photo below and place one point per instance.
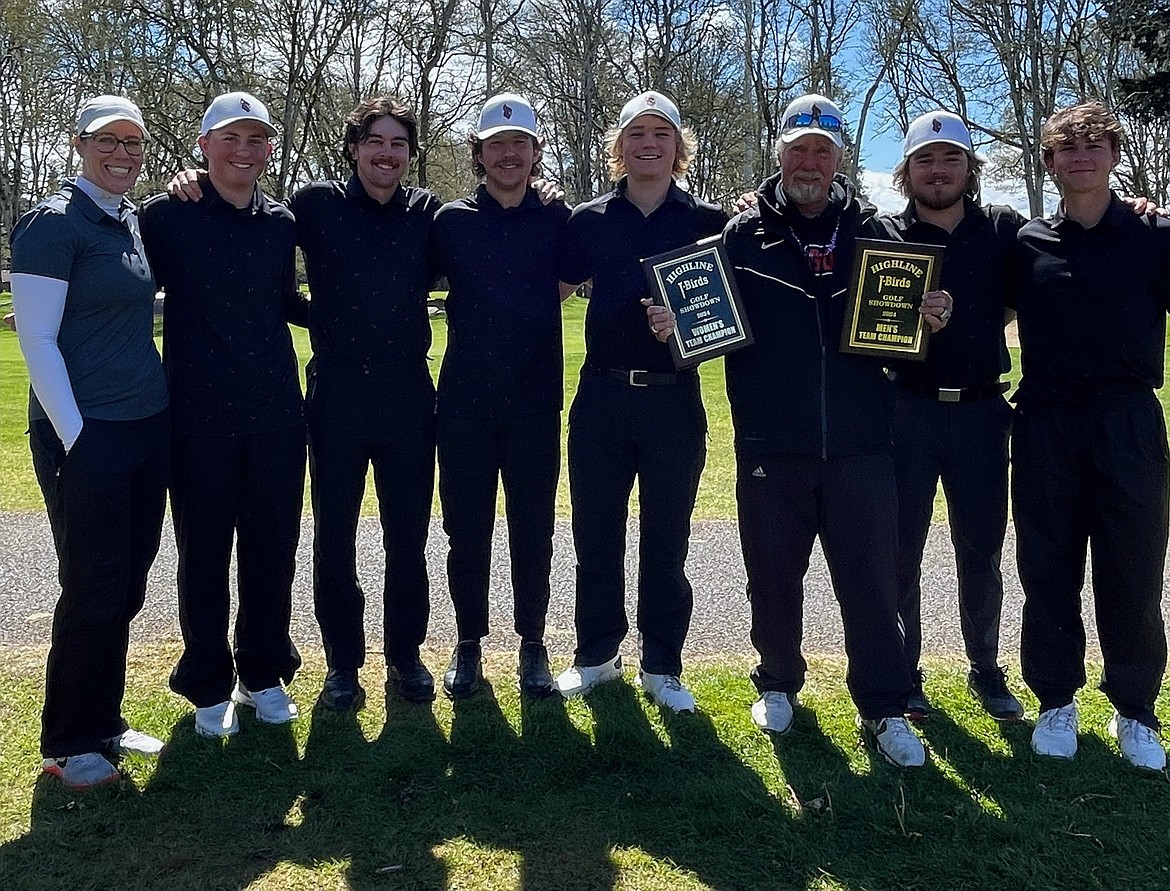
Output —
(793, 391)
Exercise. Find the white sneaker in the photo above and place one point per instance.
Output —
(1139, 743)
(667, 691)
(773, 712)
(135, 742)
(273, 705)
(1056, 732)
(81, 772)
(217, 721)
(580, 679)
(895, 740)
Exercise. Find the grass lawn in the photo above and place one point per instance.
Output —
(18, 489)
(598, 794)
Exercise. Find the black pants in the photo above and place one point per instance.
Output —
(1096, 477)
(250, 488)
(785, 502)
(618, 433)
(966, 446)
(475, 450)
(105, 501)
(356, 420)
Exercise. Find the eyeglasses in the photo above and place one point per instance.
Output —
(107, 144)
(828, 122)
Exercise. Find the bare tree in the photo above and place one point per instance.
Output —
(1034, 43)
(570, 74)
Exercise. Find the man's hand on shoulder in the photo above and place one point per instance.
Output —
(548, 191)
(1144, 206)
(185, 185)
(745, 201)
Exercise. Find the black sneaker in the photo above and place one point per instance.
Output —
(989, 686)
(341, 691)
(536, 679)
(464, 674)
(917, 705)
(411, 679)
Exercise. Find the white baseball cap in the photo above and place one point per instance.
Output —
(506, 111)
(937, 126)
(650, 102)
(816, 114)
(102, 110)
(232, 107)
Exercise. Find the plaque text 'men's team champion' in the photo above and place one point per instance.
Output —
(888, 282)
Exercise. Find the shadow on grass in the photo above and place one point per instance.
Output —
(607, 793)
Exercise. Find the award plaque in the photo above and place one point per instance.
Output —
(885, 290)
(696, 284)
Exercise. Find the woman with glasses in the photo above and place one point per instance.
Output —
(83, 295)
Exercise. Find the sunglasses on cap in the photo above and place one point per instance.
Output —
(828, 122)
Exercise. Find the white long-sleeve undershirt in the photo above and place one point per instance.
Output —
(39, 303)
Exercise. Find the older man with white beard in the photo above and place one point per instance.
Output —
(812, 434)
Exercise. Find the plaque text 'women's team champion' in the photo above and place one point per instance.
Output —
(888, 282)
(696, 284)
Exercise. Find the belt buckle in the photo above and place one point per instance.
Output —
(634, 383)
(947, 394)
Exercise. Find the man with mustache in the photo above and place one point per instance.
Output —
(501, 388)
(951, 420)
(370, 399)
(812, 433)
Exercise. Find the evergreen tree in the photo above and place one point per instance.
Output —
(1145, 24)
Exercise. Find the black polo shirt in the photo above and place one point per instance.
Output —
(1092, 305)
(970, 351)
(230, 280)
(367, 268)
(504, 307)
(607, 239)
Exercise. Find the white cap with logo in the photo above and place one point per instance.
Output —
(816, 114)
(232, 107)
(937, 126)
(102, 110)
(650, 102)
(503, 112)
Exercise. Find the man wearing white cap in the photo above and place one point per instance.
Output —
(226, 265)
(812, 431)
(951, 421)
(634, 416)
(501, 387)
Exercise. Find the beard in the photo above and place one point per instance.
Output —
(938, 197)
(806, 192)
